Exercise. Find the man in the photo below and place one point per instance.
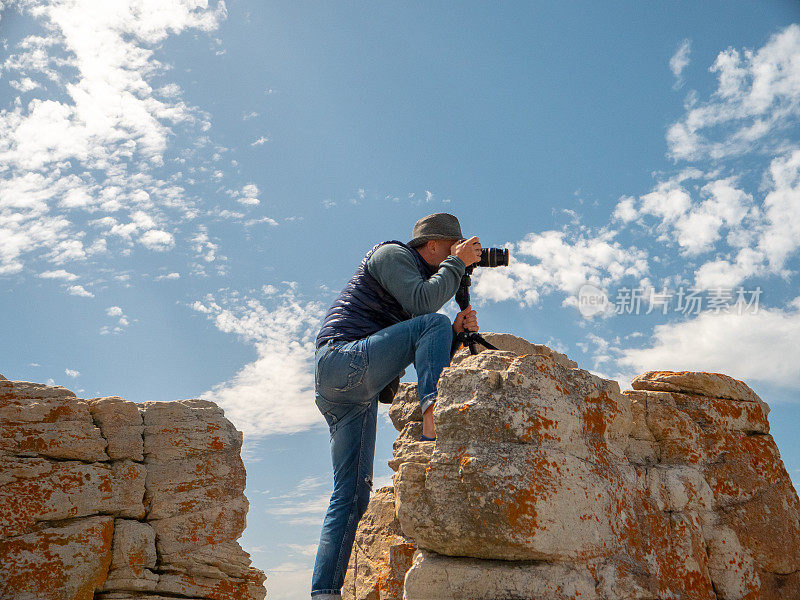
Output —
(384, 319)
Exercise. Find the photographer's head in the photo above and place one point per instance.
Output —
(434, 236)
(435, 251)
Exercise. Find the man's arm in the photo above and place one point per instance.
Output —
(396, 270)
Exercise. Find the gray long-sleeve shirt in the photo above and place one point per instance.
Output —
(396, 270)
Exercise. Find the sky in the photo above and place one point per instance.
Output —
(185, 187)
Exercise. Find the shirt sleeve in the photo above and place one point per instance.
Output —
(396, 270)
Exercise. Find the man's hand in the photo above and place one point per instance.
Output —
(466, 320)
(469, 250)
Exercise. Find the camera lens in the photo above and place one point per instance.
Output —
(493, 257)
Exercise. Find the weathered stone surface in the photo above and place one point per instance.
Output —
(181, 486)
(120, 423)
(109, 499)
(381, 555)
(546, 482)
(436, 577)
(516, 345)
(186, 428)
(714, 385)
(134, 557)
(527, 464)
(58, 563)
(37, 420)
(71, 489)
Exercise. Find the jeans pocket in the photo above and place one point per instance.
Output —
(341, 370)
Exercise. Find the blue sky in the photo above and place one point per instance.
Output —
(184, 191)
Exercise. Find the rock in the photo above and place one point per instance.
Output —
(37, 420)
(381, 556)
(134, 557)
(714, 385)
(120, 423)
(516, 345)
(436, 577)
(109, 499)
(546, 481)
(59, 562)
(529, 470)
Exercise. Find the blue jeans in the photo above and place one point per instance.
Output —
(348, 379)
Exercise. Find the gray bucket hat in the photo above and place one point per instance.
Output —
(439, 226)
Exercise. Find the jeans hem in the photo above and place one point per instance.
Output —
(336, 593)
(427, 401)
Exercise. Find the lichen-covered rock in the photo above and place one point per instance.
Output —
(437, 577)
(545, 481)
(381, 555)
(527, 464)
(110, 500)
(58, 562)
(120, 423)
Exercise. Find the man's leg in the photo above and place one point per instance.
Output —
(348, 379)
(352, 454)
(359, 370)
(424, 341)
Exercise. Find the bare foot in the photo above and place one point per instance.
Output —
(427, 423)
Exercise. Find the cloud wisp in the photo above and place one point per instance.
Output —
(274, 393)
(679, 61)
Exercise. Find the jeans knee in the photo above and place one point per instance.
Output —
(438, 320)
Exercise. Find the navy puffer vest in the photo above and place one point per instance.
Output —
(364, 306)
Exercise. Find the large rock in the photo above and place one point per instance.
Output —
(545, 481)
(381, 556)
(111, 500)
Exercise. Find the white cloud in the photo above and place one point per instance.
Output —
(274, 393)
(260, 141)
(58, 274)
(723, 273)
(564, 264)
(782, 207)
(761, 236)
(108, 329)
(24, 84)
(79, 290)
(267, 220)
(757, 96)
(172, 275)
(158, 240)
(695, 226)
(248, 195)
(72, 373)
(203, 246)
(95, 147)
(122, 321)
(680, 60)
(749, 346)
(315, 506)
